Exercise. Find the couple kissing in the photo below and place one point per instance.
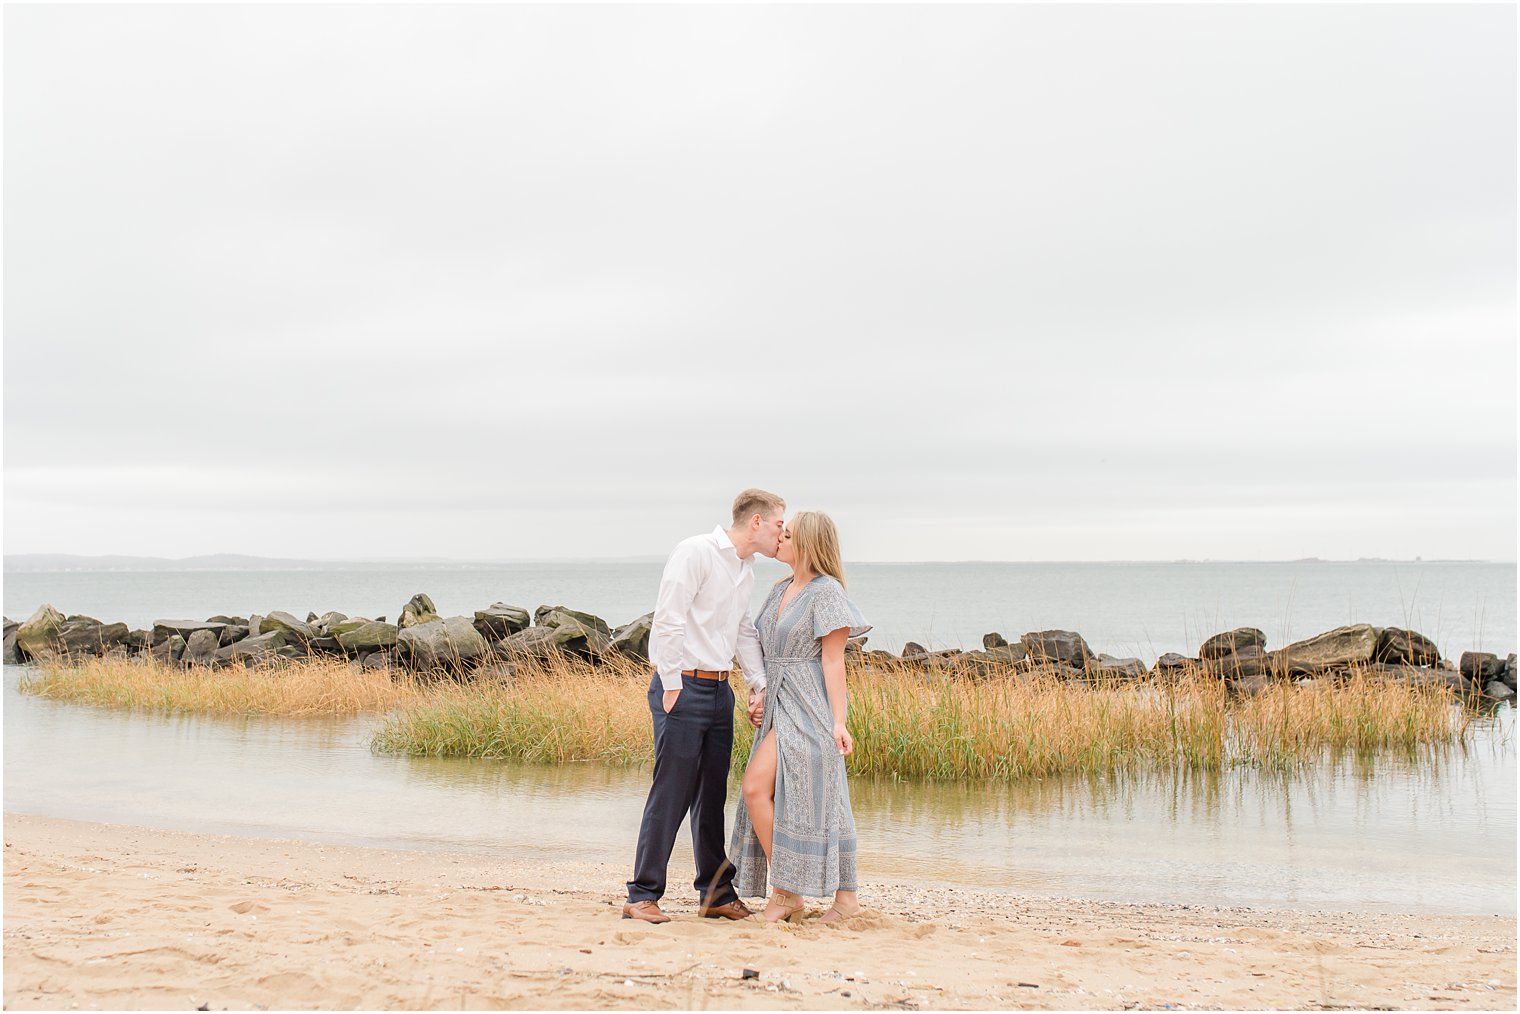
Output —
(793, 826)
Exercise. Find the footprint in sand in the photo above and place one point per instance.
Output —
(244, 907)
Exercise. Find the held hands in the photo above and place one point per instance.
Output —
(843, 740)
(670, 699)
(757, 707)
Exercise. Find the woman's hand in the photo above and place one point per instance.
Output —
(843, 740)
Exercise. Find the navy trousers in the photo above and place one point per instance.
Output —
(693, 746)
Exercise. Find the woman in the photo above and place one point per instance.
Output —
(794, 811)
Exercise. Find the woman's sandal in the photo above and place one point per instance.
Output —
(791, 913)
(838, 916)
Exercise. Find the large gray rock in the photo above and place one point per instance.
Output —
(548, 643)
(376, 661)
(184, 628)
(1231, 642)
(1398, 646)
(995, 661)
(38, 635)
(370, 635)
(1498, 690)
(533, 643)
(577, 638)
(323, 623)
(969, 663)
(85, 635)
(418, 610)
(1064, 646)
(1508, 676)
(553, 616)
(1171, 662)
(993, 640)
(296, 631)
(1417, 676)
(500, 620)
(1478, 667)
(324, 646)
(632, 638)
(338, 628)
(232, 632)
(913, 649)
(200, 648)
(1248, 662)
(1117, 668)
(1058, 670)
(139, 641)
(1340, 648)
(1251, 686)
(253, 648)
(1005, 655)
(450, 643)
(170, 650)
(12, 656)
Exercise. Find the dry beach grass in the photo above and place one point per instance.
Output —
(310, 687)
(906, 725)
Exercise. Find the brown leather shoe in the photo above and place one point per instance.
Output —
(733, 910)
(644, 911)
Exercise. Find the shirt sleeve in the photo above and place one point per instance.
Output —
(678, 586)
(832, 609)
(751, 657)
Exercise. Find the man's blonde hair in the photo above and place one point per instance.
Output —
(815, 542)
(756, 501)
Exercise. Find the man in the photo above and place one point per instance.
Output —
(701, 620)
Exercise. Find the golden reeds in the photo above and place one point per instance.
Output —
(287, 687)
(905, 723)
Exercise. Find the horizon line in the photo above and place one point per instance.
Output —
(123, 558)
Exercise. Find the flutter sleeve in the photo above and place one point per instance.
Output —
(833, 609)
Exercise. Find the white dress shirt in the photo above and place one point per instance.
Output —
(701, 616)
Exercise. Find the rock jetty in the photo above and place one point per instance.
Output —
(500, 635)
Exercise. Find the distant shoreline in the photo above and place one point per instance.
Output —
(63, 563)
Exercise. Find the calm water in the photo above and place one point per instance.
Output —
(1437, 835)
(1140, 609)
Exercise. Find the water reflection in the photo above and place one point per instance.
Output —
(1432, 833)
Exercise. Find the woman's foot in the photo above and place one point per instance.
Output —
(840, 911)
(784, 907)
(836, 914)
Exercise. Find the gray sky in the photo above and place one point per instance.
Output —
(983, 282)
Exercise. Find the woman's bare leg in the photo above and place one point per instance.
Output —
(759, 789)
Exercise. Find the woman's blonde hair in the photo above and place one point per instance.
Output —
(815, 541)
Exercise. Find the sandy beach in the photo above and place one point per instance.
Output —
(104, 916)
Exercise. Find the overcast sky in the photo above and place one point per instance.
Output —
(1009, 283)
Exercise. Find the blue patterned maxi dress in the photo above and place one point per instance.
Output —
(813, 841)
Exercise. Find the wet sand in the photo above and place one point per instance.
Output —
(107, 916)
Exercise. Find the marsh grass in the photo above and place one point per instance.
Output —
(999, 728)
(905, 724)
(551, 713)
(309, 687)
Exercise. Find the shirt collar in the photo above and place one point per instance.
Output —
(726, 545)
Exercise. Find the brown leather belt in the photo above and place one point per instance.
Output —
(706, 674)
